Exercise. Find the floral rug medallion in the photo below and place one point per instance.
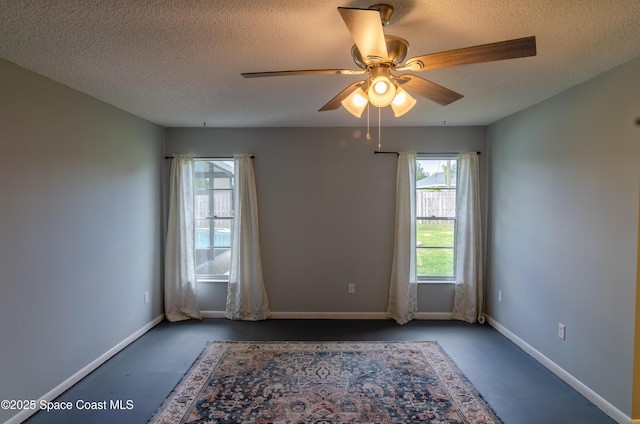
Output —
(324, 383)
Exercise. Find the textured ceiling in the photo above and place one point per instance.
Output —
(178, 63)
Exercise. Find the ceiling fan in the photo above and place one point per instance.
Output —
(380, 55)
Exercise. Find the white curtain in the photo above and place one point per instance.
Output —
(403, 302)
(246, 293)
(180, 286)
(468, 301)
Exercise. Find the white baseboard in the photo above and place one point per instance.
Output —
(439, 316)
(212, 314)
(307, 315)
(580, 387)
(65, 385)
(327, 315)
(335, 315)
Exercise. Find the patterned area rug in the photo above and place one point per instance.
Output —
(324, 383)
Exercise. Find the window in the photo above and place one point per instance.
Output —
(214, 198)
(435, 218)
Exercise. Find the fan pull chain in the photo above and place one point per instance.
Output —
(379, 137)
(368, 135)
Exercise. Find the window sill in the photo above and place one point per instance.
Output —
(212, 280)
(436, 282)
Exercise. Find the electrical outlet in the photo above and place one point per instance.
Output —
(351, 287)
(562, 331)
(500, 296)
(146, 297)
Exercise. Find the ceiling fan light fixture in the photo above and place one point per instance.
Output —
(378, 54)
(382, 91)
(402, 102)
(356, 102)
(381, 86)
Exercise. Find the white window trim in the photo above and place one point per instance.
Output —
(211, 278)
(430, 279)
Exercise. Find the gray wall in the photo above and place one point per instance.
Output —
(80, 230)
(564, 183)
(326, 208)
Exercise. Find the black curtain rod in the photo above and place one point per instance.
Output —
(209, 157)
(420, 153)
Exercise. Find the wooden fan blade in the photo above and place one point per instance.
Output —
(502, 50)
(365, 27)
(429, 90)
(303, 72)
(335, 103)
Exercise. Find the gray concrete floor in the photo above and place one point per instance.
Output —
(518, 388)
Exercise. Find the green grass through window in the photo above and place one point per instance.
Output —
(434, 257)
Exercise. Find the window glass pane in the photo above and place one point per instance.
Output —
(214, 196)
(437, 203)
(436, 173)
(203, 206)
(222, 203)
(203, 246)
(202, 234)
(213, 262)
(221, 262)
(222, 233)
(221, 236)
(202, 166)
(435, 185)
(213, 248)
(435, 233)
(435, 262)
(436, 213)
(223, 175)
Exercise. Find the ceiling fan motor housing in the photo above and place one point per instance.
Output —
(397, 49)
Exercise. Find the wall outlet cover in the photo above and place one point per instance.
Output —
(562, 331)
